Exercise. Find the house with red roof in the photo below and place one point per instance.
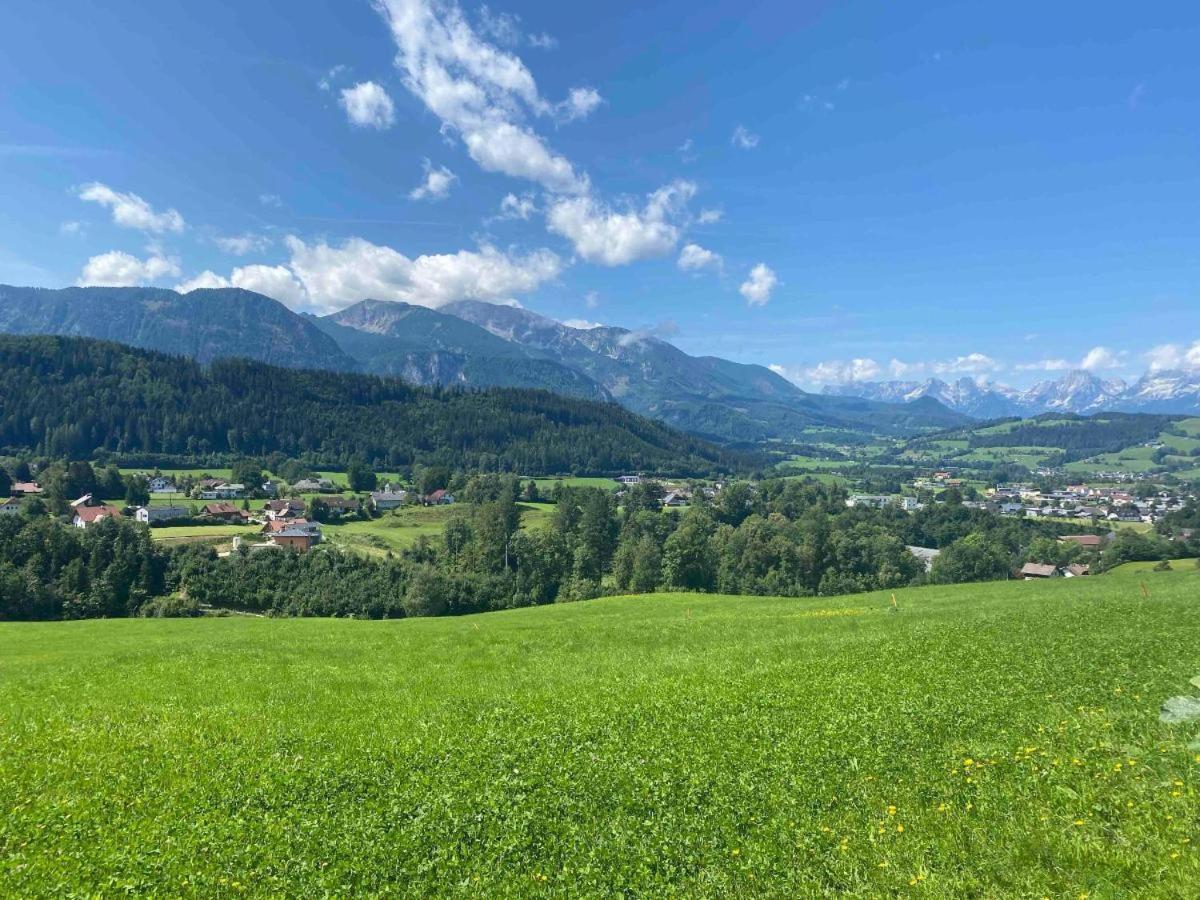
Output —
(89, 515)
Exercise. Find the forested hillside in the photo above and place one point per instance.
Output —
(70, 397)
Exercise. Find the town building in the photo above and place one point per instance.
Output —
(90, 515)
(151, 515)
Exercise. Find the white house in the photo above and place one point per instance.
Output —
(874, 501)
(382, 500)
(160, 484)
(629, 479)
(313, 485)
(149, 515)
(9, 507)
(223, 492)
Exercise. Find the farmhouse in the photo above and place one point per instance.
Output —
(223, 491)
(150, 515)
(298, 539)
(1076, 570)
(284, 509)
(675, 498)
(225, 512)
(629, 479)
(89, 515)
(313, 485)
(1086, 541)
(339, 506)
(23, 488)
(160, 484)
(384, 500)
(439, 497)
(9, 507)
(277, 525)
(1030, 571)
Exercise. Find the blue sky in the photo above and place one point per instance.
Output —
(856, 189)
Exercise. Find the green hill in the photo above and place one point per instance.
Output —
(72, 397)
(984, 740)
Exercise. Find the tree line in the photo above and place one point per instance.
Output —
(785, 537)
(80, 399)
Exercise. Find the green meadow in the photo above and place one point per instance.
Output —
(995, 740)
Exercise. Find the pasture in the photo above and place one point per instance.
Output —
(980, 740)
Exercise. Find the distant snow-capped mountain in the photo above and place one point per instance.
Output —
(1075, 392)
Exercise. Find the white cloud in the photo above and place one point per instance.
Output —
(592, 299)
(335, 277)
(743, 138)
(664, 329)
(270, 200)
(368, 105)
(758, 285)
(687, 151)
(614, 238)
(972, 363)
(1099, 358)
(837, 371)
(118, 269)
(1045, 365)
(514, 207)
(694, 258)
(276, 282)
(898, 369)
(543, 41)
(581, 102)
(241, 244)
(582, 324)
(327, 80)
(477, 91)
(72, 227)
(502, 27)
(437, 183)
(1174, 356)
(710, 216)
(130, 210)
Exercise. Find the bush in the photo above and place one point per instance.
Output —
(172, 606)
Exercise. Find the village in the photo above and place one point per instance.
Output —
(1099, 503)
(274, 515)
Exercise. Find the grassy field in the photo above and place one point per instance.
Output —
(168, 534)
(986, 740)
(401, 528)
(546, 485)
(394, 531)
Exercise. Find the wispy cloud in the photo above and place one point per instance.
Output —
(368, 105)
(744, 138)
(1135, 96)
(436, 185)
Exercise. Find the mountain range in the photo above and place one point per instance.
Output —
(468, 344)
(1075, 392)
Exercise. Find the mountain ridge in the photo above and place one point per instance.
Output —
(1077, 391)
(465, 344)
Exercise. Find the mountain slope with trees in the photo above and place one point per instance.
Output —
(203, 324)
(467, 344)
(73, 398)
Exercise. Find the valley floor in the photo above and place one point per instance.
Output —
(980, 740)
